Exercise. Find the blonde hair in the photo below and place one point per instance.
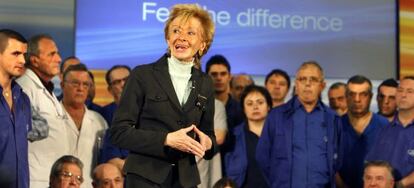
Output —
(193, 11)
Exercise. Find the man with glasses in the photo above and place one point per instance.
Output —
(115, 78)
(48, 135)
(66, 172)
(360, 129)
(395, 142)
(299, 142)
(85, 127)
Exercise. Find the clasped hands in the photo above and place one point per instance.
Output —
(181, 141)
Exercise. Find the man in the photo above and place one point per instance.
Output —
(378, 174)
(14, 113)
(299, 142)
(277, 82)
(66, 172)
(85, 127)
(360, 130)
(219, 69)
(395, 142)
(48, 135)
(337, 98)
(73, 60)
(115, 77)
(387, 104)
(91, 95)
(107, 175)
(238, 83)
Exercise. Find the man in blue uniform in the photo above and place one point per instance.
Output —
(360, 129)
(299, 143)
(15, 114)
(395, 142)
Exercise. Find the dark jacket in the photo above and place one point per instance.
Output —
(274, 149)
(149, 109)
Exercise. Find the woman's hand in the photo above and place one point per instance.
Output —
(205, 140)
(181, 141)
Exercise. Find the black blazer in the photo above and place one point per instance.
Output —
(149, 109)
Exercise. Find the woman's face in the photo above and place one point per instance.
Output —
(185, 38)
(255, 106)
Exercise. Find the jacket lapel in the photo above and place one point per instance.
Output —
(195, 89)
(164, 80)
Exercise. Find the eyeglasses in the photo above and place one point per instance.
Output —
(76, 83)
(69, 175)
(312, 80)
(118, 81)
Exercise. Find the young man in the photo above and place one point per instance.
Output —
(277, 82)
(15, 114)
(386, 98)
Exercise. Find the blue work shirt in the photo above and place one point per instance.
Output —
(108, 150)
(310, 160)
(356, 147)
(274, 152)
(395, 144)
(14, 167)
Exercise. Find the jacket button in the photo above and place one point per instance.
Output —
(179, 122)
(157, 97)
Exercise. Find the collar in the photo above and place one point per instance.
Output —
(15, 89)
(297, 104)
(48, 85)
(396, 122)
(179, 67)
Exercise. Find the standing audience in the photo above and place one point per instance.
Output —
(298, 146)
(15, 114)
(84, 127)
(237, 84)
(241, 165)
(395, 142)
(360, 130)
(386, 98)
(116, 78)
(48, 137)
(337, 98)
(277, 82)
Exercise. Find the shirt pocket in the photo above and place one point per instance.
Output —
(410, 152)
(158, 104)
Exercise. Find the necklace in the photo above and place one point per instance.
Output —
(5, 93)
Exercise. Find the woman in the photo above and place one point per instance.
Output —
(240, 163)
(165, 115)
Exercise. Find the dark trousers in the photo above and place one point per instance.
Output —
(172, 181)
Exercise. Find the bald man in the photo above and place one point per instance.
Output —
(107, 175)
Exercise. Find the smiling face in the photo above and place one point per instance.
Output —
(12, 59)
(184, 38)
